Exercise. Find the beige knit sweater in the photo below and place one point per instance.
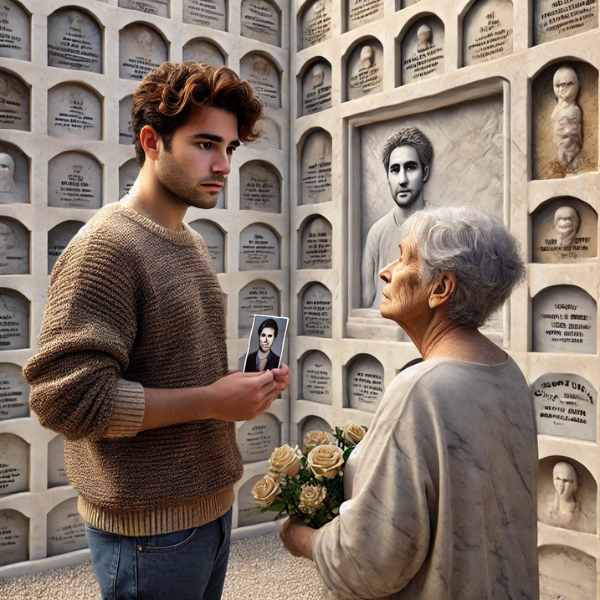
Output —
(132, 305)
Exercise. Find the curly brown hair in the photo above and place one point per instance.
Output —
(170, 94)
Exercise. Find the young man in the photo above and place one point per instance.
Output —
(132, 362)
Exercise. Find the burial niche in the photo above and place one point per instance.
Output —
(150, 7)
(207, 13)
(15, 37)
(214, 238)
(128, 173)
(270, 135)
(315, 247)
(14, 392)
(487, 31)
(365, 69)
(260, 187)
(248, 511)
(59, 238)
(565, 120)
(57, 475)
(14, 175)
(14, 536)
(262, 74)
(361, 12)
(552, 21)
(74, 41)
(316, 168)
(14, 320)
(14, 102)
(125, 126)
(65, 529)
(564, 230)
(259, 248)
(74, 181)
(316, 311)
(14, 247)
(260, 21)
(564, 320)
(315, 382)
(364, 383)
(14, 464)
(74, 112)
(202, 51)
(141, 49)
(422, 50)
(316, 88)
(566, 573)
(257, 298)
(258, 438)
(315, 23)
(312, 423)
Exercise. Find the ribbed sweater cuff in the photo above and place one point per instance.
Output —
(129, 405)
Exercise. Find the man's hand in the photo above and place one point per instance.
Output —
(297, 539)
(282, 377)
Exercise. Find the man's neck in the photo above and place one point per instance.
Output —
(402, 213)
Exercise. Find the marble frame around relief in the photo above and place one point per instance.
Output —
(358, 324)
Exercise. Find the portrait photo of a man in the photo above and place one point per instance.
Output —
(266, 342)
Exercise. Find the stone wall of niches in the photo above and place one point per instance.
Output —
(507, 93)
(68, 70)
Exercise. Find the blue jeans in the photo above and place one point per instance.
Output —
(184, 565)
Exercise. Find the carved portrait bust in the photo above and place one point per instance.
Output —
(367, 56)
(564, 507)
(7, 172)
(424, 37)
(566, 225)
(318, 78)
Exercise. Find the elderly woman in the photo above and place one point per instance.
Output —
(442, 488)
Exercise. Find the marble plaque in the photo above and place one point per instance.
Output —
(258, 438)
(555, 19)
(14, 175)
(361, 12)
(14, 247)
(257, 298)
(65, 529)
(14, 464)
(14, 320)
(365, 70)
(316, 378)
(74, 112)
(248, 511)
(14, 32)
(128, 173)
(260, 21)
(150, 7)
(59, 238)
(566, 574)
(74, 41)
(564, 320)
(214, 238)
(316, 168)
(14, 392)
(365, 383)
(316, 311)
(316, 23)
(313, 424)
(125, 126)
(262, 74)
(316, 244)
(259, 249)
(487, 31)
(14, 102)
(270, 135)
(14, 537)
(260, 188)
(57, 475)
(141, 49)
(74, 181)
(565, 406)
(423, 50)
(208, 13)
(201, 51)
(316, 88)
(564, 230)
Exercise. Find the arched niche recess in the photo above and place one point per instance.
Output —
(316, 88)
(260, 187)
(316, 163)
(316, 244)
(202, 51)
(14, 247)
(364, 69)
(260, 71)
(74, 112)
(315, 23)
(206, 14)
(315, 377)
(259, 248)
(15, 37)
(364, 383)
(258, 438)
(316, 310)
(259, 297)
(141, 49)
(214, 238)
(422, 50)
(261, 21)
(14, 175)
(74, 181)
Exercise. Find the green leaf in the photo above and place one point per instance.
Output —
(275, 507)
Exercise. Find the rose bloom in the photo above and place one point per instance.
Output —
(316, 438)
(311, 498)
(325, 461)
(353, 433)
(265, 491)
(285, 460)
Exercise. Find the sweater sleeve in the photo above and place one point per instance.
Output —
(88, 332)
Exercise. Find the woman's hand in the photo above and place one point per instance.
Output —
(297, 539)
(282, 377)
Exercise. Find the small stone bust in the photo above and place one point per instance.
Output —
(566, 225)
(424, 37)
(567, 118)
(564, 508)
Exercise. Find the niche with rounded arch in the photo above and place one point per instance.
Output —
(260, 187)
(359, 12)
(202, 51)
(59, 238)
(263, 75)
(316, 88)
(14, 320)
(564, 320)
(549, 24)
(15, 37)
(14, 464)
(270, 135)
(564, 101)
(74, 40)
(125, 126)
(249, 512)
(315, 23)
(74, 112)
(15, 100)
(315, 307)
(261, 21)
(65, 529)
(141, 49)
(258, 438)
(14, 247)
(14, 396)
(259, 297)
(364, 69)
(364, 383)
(14, 175)
(74, 181)
(316, 164)
(566, 573)
(128, 173)
(14, 537)
(422, 50)
(316, 244)
(315, 378)
(160, 8)
(312, 423)
(211, 14)
(214, 238)
(259, 248)
(57, 474)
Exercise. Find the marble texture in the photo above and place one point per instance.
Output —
(66, 529)
(14, 247)
(74, 112)
(259, 249)
(260, 187)
(14, 392)
(260, 21)
(316, 23)
(207, 13)
(258, 438)
(553, 21)
(14, 175)
(316, 168)
(202, 51)
(364, 383)
(365, 70)
(262, 74)
(14, 464)
(15, 39)
(316, 378)
(488, 31)
(14, 320)
(316, 311)
(149, 7)
(316, 88)
(14, 102)
(361, 12)
(141, 49)
(566, 573)
(14, 530)
(423, 50)
(316, 245)
(74, 181)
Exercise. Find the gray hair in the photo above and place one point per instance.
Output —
(474, 245)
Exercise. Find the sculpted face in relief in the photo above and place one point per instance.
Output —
(7, 172)
(566, 225)
(567, 119)
(564, 508)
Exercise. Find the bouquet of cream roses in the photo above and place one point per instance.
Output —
(309, 485)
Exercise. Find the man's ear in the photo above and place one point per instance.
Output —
(425, 173)
(151, 142)
(445, 286)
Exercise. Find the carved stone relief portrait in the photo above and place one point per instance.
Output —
(128, 173)
(14, 320)
(316, 311)
(422, 50)
(15, 37)
(258, 438)
(74, 181)
(57, 474)
(214, 238)
(259, 249)
(316, 88)
(207, 13)
(14, 537)
(316, 244)
(125, 126)
(260, 21)
(74, 112)
(566, 574)
(364, 383)
(14, 247)
(14, 102)
(315, 379)
(262, 74)
(270, 135)
(141, 49)
(65, 529)
(14, 175)
(257, 298)
(149, 7)
(14, 397)
(202, 51)
(14, 464)
(316, 23)
(248, 511)
(316, 168)
(59, 238)
(365, 70)
(361, 12)
(552, 21)
(260, 187)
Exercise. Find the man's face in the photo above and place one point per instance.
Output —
(195, 169)
(406, 176)
(566, 221)
(565, 480)
(267, 337)
(566, 84)
(318, 78)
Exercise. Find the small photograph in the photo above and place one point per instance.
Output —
(265, 346)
